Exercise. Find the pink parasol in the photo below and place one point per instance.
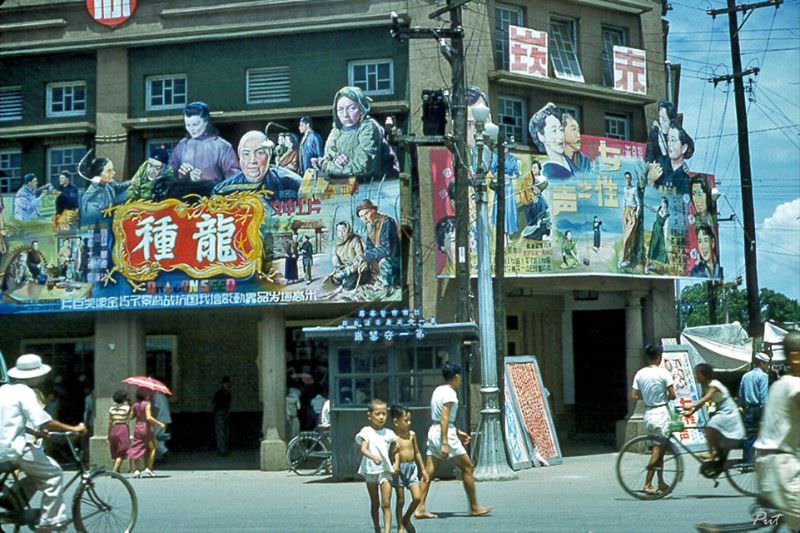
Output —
(147, 383)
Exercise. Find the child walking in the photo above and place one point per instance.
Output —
(407, 466)
(376, 465)
(119, 415)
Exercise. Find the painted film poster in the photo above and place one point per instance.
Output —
(259, 220)
(678, 363)
(592, 205)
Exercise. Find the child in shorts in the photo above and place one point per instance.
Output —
(407, 466)
(376, 466)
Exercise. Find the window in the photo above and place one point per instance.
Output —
(374, 77)
(10, 103)
(153, 144)
(60, 158)
(573, 110)
(165, 92)
(611, 37)
(564, 49)
(504, 16)
(617, 126)
(66, 99)
(10, 170)
(268, 85)
(511, 115)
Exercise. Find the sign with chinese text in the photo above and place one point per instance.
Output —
(630, 70)
(528, 50)
(678, 363)
(214, 223)
(605, 210)
(110, 12)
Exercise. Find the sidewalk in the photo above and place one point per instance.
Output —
(581, 495)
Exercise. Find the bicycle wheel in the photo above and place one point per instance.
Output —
(104, 502)
(307, 454)
(632, 467)
(740, 474)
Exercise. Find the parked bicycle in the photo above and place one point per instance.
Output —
(103, 500)
(634, 459)
(309, 453)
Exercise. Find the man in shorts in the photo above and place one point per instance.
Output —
(447, 442)
(778, 444)
(653, 385)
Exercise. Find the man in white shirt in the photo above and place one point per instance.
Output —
(653, 385)
(20, 409)
(778, 444)
(161, 405)
(446, 441)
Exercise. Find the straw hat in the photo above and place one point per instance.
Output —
(29, 366)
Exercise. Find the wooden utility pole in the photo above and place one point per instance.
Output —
(748, 212)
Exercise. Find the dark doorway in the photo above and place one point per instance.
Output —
(598, 339)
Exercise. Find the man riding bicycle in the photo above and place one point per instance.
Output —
(22, 413)
(778, 444)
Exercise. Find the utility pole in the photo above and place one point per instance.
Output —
(500, 254)
(748, 212)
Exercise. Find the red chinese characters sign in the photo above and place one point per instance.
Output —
(630, 70)
(111, 12)
(219, 235)
(528, 50)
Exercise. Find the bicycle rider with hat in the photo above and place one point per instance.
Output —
(21, 413)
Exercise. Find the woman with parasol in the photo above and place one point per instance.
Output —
(143, 447)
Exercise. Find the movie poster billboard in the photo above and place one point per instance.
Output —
(678, 363)
(591, 205)
(260, 220)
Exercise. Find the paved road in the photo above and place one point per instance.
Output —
(580, 495)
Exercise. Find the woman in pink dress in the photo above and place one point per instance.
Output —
(119, 439)
(144, 442)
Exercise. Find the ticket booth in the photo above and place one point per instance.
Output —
(398, 362)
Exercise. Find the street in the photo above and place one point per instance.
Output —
(581, 495)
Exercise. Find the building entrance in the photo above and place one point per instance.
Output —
(600, 389)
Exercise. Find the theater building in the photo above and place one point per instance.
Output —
(73, 79)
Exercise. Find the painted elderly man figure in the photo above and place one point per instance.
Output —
(347, 257)
(202, 156)
(28, 197)
(356, 145)
(255, 158)
(382, 244)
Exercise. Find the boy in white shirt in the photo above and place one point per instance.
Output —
(376, 465)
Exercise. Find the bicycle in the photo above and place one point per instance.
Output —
(309, 452)
(634, 458)
(103, 500)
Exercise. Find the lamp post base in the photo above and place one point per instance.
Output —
(491, 463)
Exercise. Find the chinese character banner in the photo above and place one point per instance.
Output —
(604, 207)
(257, 220)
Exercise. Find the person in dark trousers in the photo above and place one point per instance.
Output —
(307, 253)
(753, 391)
(222, 408)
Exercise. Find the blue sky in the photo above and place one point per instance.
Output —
(770, 40)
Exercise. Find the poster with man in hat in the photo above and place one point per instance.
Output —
(382, 241)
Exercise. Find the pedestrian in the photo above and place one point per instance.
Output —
(752, 397)
(222, 408)
(407, 467)
(446, 441)
(143, 447)
(161, 407)
(778, 444)
(292, 410)
(376, 464)
(119, 415)
(654, 386)
(724, 429)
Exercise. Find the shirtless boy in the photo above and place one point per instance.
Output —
(407, 467)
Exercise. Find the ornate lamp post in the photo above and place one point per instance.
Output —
(491, 463)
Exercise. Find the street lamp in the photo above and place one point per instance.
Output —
(491, 464)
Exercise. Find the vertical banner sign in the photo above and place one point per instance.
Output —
(111, 12)
(630, 70)
(529, 400)
(679, 365)
(528, 49)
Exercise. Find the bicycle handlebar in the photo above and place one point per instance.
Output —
(63, 433)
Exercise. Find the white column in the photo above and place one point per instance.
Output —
(272, 383)
(118, 353)
(634, 342)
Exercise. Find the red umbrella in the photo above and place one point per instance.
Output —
(145, 382)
